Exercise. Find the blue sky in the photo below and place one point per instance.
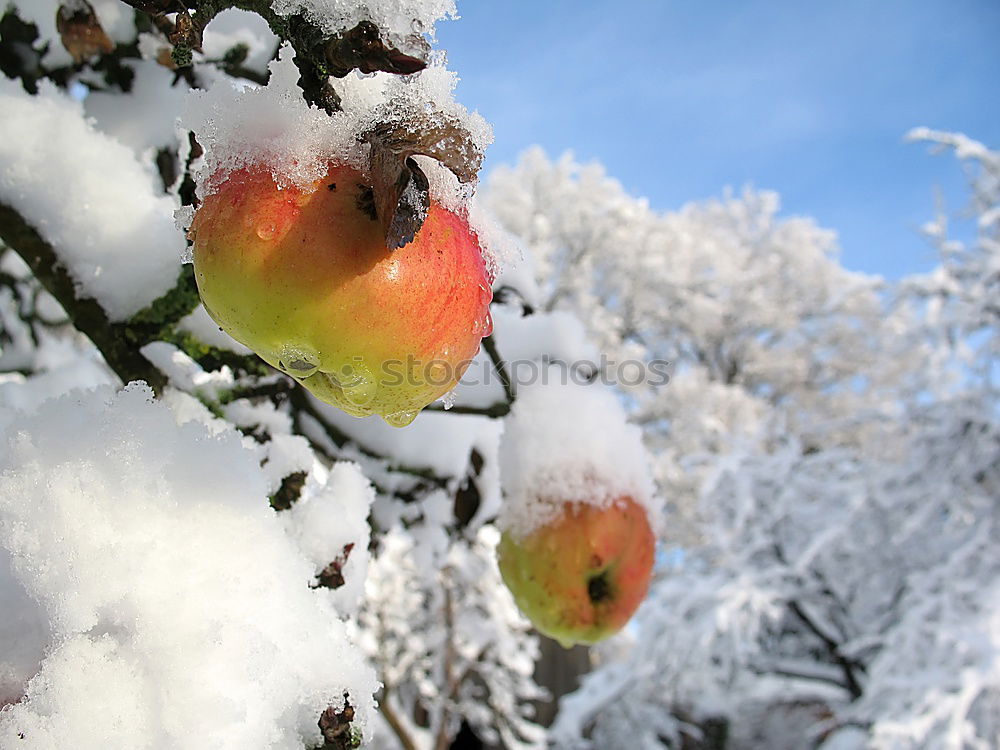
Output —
(680, 98)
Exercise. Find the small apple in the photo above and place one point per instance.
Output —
(305, 279)
(580, 577)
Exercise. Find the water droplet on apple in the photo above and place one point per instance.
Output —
(400, 418)
(266, 231)
(485, 294)
(487, 324)
(298, 362)
(356, 383)
(360, 393)
(565, 641)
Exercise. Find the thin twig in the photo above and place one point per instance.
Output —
(494, 411)
(490, 347)
(385, 707)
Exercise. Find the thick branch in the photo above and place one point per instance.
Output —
(115, 341)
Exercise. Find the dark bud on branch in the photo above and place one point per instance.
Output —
(336, 727)
(332, 576)
(289, 491)
(81, 32)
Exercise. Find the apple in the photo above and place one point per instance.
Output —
(303, 277)
(580, 577)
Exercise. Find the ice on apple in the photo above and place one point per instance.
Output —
(579, 512)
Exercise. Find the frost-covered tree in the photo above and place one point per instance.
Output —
(844, 593)
(752, 310)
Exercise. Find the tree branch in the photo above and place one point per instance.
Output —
(301, 403)
(318, 55)
(846, 665)
(116, 341)
(490, 347)
(798, 675)
(493, 411)
(395, 722)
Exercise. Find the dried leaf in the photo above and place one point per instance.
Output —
(362, 48)
(335, 726)
(401, 189)
(440, 137)
(81, 32)
(402, 197)
(165, 57)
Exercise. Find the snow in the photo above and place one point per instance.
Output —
(330, 516)
(144, 118)
(569, 443)
(184, 373)
(200, 325)
(399, 18)
(89, 198)
(179, 607)
(269, 125)
(24, 633)
(115, 18)
(273, 126)
(233, 27)
(437, 441)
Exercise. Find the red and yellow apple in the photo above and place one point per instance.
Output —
(305, 279)
(580, 577)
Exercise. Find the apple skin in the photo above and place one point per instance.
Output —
(304, 278)
(580, 577)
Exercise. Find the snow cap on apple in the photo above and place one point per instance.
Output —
(338, 246)
(579, 512)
